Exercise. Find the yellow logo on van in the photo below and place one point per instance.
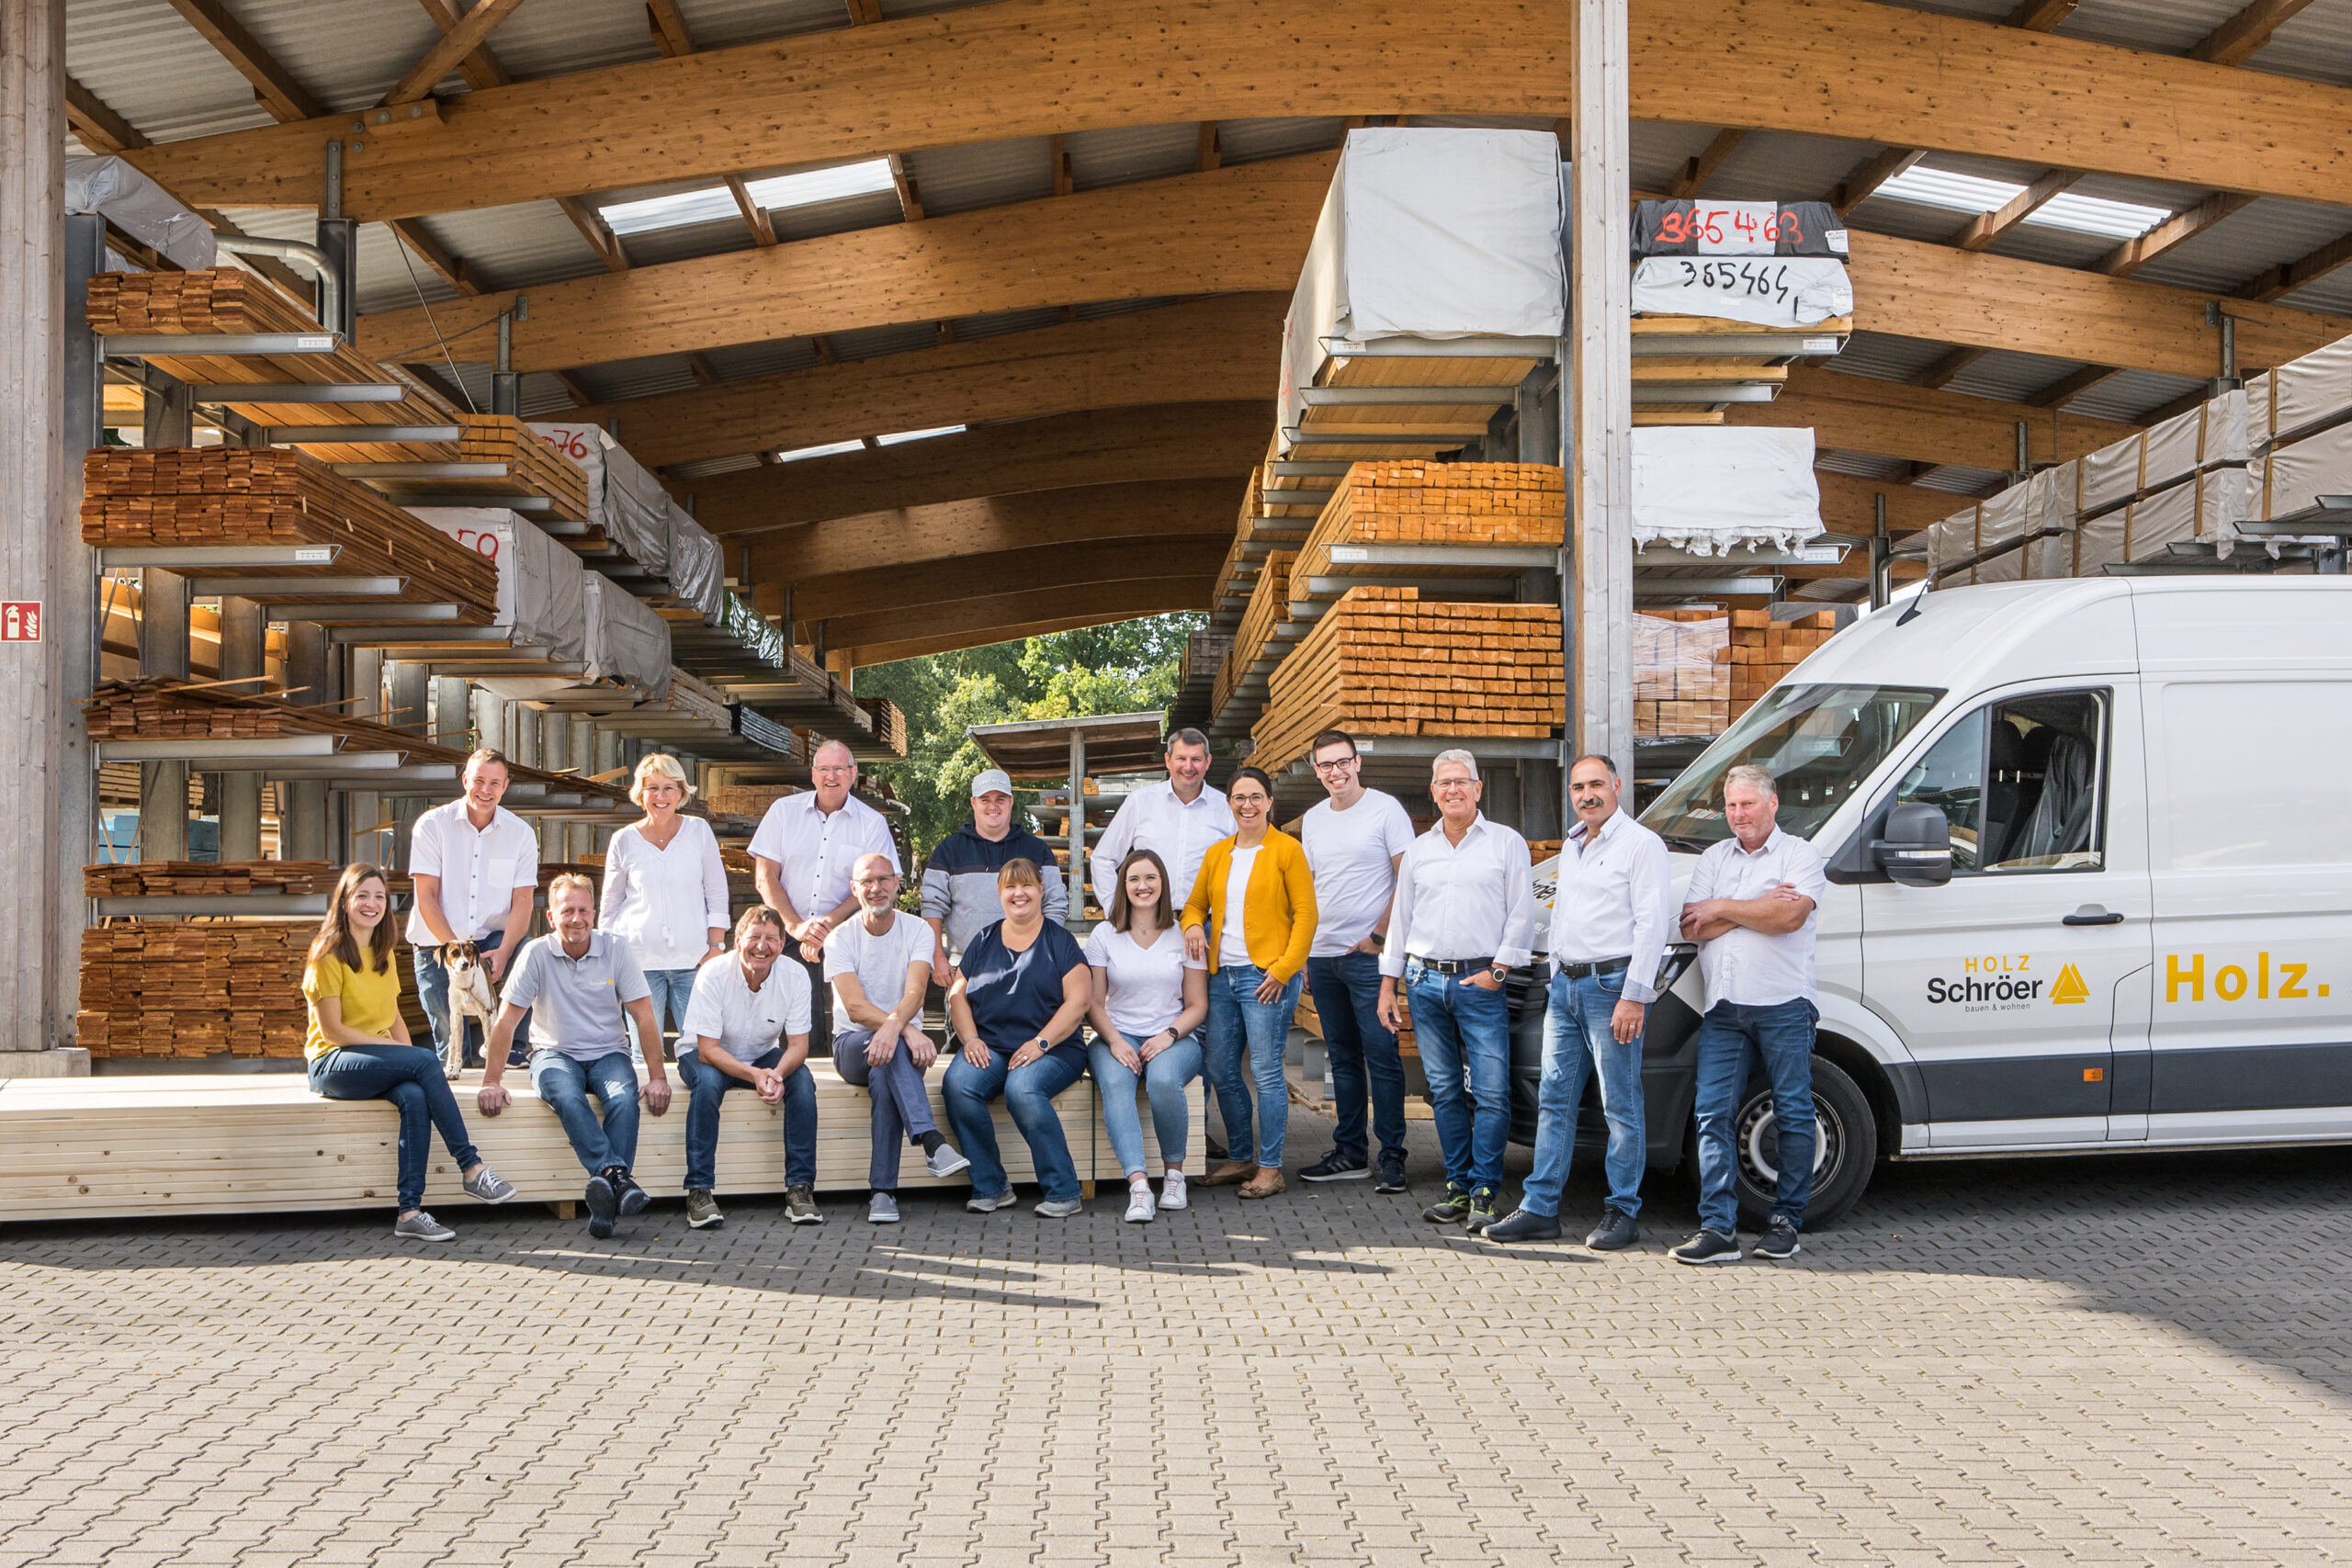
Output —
(2070, 986)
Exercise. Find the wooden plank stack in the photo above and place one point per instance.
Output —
(1416, 503)
(747, 800)
(260, 495)
(1384, 661)
(889, 725)
(1682, 673)
(184, 878)
(1763, 650)
(1269, 601)
(533, 467)
(159, 988)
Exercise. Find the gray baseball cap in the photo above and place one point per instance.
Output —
(989, 779)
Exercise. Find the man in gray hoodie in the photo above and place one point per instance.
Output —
(959, 880)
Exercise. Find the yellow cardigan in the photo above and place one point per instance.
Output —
(1278, 911)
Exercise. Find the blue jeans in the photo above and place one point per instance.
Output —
(1358, 1048)
(1576, 1034)
(433, 992)
(669, 989)
(706, 1089)
(410, 1076)
(1163, 1079)
(1730, 1036)
(1237, 1018)
(1029, 1097)
(901, 1110)
(1464, 1033)
(566, 1084)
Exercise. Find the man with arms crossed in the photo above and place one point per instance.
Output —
(1750, 908)
(1178, 820)
(582, 990)
(1353, 842)
(800, 861)
(476, 869)
(883, 957)
(1609, 923)
(1464, 916)
(747, 1027)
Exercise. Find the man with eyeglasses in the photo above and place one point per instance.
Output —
(801, 861)
(1464, 918)
(1354, 841)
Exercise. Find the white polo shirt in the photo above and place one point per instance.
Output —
(748, 1023)
(1750, 967)
(480, 869)
(817, 850)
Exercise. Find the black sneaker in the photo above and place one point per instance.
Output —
(1336, 1166)
(1615, 1232)
(603, 1200)
(1452, 1211)
(1482, 1208)
(1779, 1240)
(1391, 1171)
(1707, 1247)
(633, 1198)
(1521, 1225)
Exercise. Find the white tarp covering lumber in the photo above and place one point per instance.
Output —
(1766, 291)
(623, 500)
(1433, 233)
(1711, 488)
(697, 568)
(627, 641)
(2302, 393)
(140, 208)
(540, 581)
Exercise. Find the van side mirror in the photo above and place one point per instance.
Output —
(1916, 850)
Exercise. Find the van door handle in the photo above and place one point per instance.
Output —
(2091, 915)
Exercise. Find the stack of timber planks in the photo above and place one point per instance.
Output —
(156, 989)
(262, 495)
(747, 800)
(1269, 601)
(1763, 650)
(184, 878)
(216, 299)
(1419, 502)
(889, 724)
(1384, 661)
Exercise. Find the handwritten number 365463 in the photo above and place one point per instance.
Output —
(1682, 228)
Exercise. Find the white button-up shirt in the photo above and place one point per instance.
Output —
(1750, 967)
(816, 851)
(1475, 900)
(479, 870)
(1179, 833)
(666, 901)
(1615, 900)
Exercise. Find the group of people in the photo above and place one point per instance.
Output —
(1216, 922)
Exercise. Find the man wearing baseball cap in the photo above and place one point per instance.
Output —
(959, 880)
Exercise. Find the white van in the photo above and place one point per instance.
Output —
(2090, 873)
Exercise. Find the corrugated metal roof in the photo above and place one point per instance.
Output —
(156, 71)
(2166, 27)
(1139, 152)
(2129, 396)
(1774, 166)
(2316, 45)
(1885, 358)
(1247, 141)
(1861, 465)
(2248, 243)
(984, 173)
(2012, 378)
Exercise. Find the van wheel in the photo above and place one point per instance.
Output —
(1845, 1148)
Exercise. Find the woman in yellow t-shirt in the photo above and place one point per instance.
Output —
(358, 1046)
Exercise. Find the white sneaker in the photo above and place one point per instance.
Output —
(1140, 1207)
(882, 1211)
(1171, 1191)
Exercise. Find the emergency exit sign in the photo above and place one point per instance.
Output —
(20, 620)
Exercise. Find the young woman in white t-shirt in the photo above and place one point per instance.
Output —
(1150, 999)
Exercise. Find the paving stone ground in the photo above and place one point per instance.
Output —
(2130, 1361)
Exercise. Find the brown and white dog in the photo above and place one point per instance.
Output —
(471, 996)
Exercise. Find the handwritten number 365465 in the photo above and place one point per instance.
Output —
(1738, 277)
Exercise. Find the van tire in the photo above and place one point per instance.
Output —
(1848, 1129)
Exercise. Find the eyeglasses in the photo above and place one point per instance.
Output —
(1339, 766)
(1453, 784)
(835, 768)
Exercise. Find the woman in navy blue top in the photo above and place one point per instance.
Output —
(1015, 1007)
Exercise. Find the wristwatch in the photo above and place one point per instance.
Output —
(1501, 972)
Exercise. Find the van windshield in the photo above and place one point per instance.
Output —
(1819, 742)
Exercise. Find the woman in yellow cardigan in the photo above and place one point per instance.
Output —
(1251, 917)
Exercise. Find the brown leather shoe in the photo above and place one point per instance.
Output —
(1265, 1184)
(1232, 1173)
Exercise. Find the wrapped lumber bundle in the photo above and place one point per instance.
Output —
(2211, 435)
(626, 642)
(2302, 396)
(1682, 673)
(697, 566)
(264, 495)
(1771, 264)
(539, 466)
(1763, 650)
(136, 206)
(215, 299)
(182, 989)
(158, 878)
(748, 800)
(2292, 476)
(1384, 661)
(541, 588)
(623, 500)
(1269, 601)
(1709, 490)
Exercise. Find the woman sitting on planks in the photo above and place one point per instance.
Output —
(1015, 1009)
(1150, 1000)
(358, 1046)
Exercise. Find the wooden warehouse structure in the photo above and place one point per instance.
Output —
(1029, 320)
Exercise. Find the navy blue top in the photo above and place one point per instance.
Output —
(1014, 995)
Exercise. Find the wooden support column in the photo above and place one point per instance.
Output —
(1596, 600)
(47, 833)
(243, 645)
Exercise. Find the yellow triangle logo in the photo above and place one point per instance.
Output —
(2070, 986)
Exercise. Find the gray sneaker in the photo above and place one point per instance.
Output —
(421, 1226)
(882, 1210)
(988, 1203)
(702, 1210)
(1059, 1208)
(488, 1186)
(944, 1161)
(800, 1206)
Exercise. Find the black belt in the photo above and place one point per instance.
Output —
(1599, 966)
(1452, 965)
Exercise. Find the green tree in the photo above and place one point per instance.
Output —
(1122, 667)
